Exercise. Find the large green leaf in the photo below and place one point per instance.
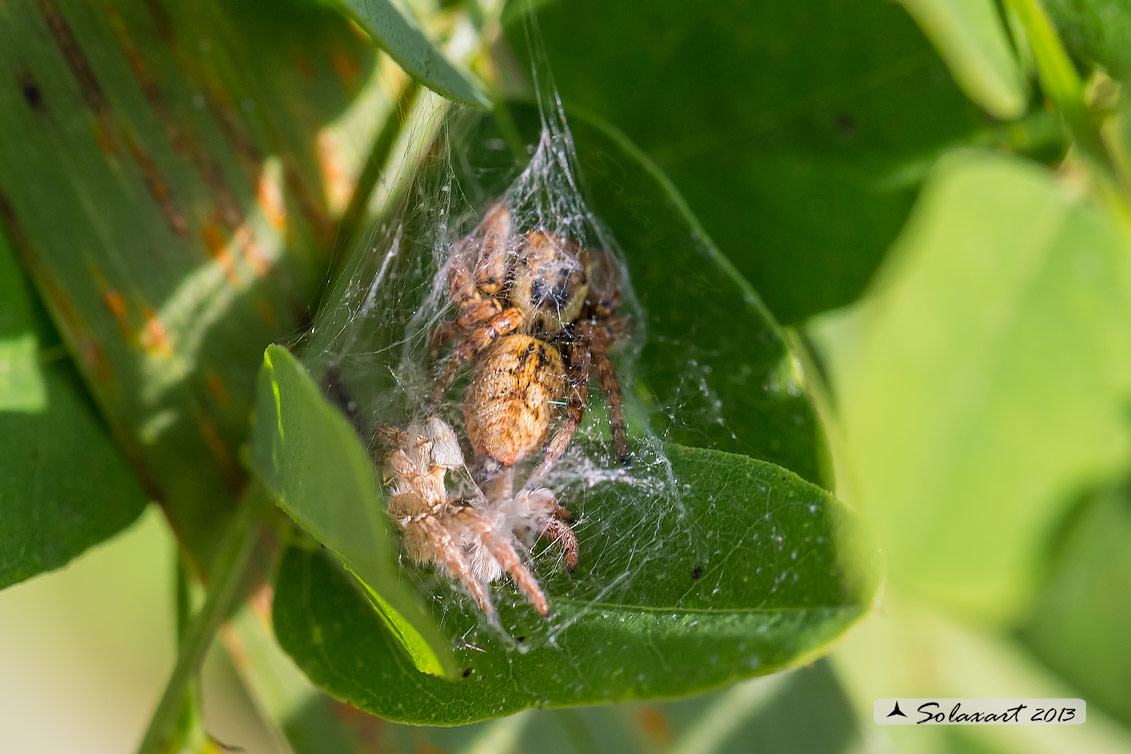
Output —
(986, 381)
(310, 459)
(971, 38)
(1078, 625)
(798, 132)
(763, 591)
(63, 484)
(170, 175)
(402, 38)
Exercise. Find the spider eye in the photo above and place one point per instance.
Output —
(546, 296)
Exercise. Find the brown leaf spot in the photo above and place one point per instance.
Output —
(269, 197)
(217, 246)
(158, 189)
(654, 723)
(221, 452)
(338, 183)
(218, 389)
(346, 66)
(117, 306)
(153, 338)
(251, 253)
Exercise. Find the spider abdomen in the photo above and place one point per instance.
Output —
(511, 402)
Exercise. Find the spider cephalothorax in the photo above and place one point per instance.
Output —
(537, 314)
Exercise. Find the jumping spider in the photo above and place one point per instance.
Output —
(474, 545)
(538, 311)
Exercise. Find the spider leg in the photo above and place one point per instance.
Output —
(501, 324)
(503, 551)
(554, 523)
(579, 366)
(600, 336)
(471, 315)
(558, 532)
(446, 551)
(491, 267)
(607, 376)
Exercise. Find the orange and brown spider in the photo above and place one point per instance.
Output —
(538, 314)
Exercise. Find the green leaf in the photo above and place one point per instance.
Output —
(802, 710)
(309, 457)
(170, 177)
(1078, 625)
(970, 36)
(765, 591)
(986, 381)
(798, 132)
(714, 357)
(64, 486)
(1095, 31)
(400, 36)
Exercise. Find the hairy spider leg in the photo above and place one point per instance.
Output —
(505, 554)
(554, 527)
(470, 317)
(561, 535)
(447, 552)
(491, 264)
(501, 324)
(600, 335)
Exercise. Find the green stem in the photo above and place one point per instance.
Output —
(227, 574)
(1062, 84)
(1058, 76)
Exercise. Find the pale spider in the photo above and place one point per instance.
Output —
(539, 313)
(474, 545)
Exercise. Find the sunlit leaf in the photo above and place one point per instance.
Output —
(986, 381)
(170, 176)
(402, 38)
(63, 484)
(309, 457)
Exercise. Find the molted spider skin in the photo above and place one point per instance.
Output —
(472, 545)
(511, 401)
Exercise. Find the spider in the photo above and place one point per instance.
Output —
(538, 312)
(473, 545)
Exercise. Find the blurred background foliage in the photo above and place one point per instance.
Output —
(933, 195)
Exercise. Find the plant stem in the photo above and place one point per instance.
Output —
(1064, 88)
(227, 574)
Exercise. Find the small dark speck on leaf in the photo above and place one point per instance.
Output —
(467, 673)
(783, 478)
(520, 639)
(32, 95)
(697, 573)
(845, 124)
